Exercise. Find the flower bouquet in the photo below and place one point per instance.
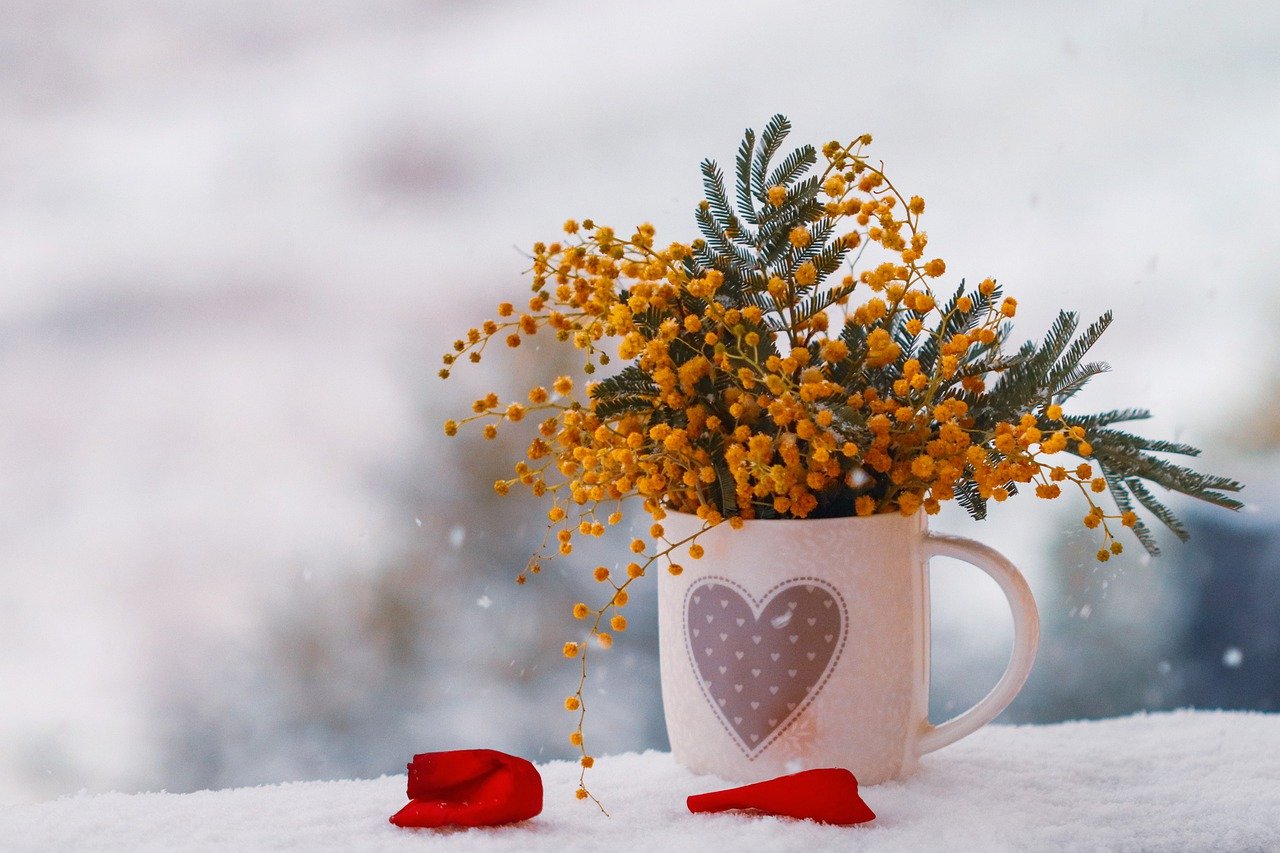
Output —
(800, 359)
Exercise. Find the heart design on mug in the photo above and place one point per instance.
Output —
(761, 662)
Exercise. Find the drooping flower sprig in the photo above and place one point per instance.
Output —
(772, 370)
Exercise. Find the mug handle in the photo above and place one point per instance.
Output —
(1026, 638)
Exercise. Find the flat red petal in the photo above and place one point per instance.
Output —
(828, 795)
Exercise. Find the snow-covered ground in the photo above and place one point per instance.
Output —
(234, 239)
(1184, 781)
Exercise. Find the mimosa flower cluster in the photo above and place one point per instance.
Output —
(799, 359)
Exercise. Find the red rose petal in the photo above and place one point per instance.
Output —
(829, 795)
(470, 787)
(435, 774)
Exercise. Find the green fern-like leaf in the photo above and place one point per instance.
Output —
(771, 139)
(718, 201)
(1121, 496)
(727, 252)
(746, 204)
(1156, 508)
(795, 164)
(1070, 359)
(967, 496)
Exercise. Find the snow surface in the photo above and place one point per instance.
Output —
(1180, 781)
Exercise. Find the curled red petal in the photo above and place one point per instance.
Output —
(828, 795)
(435, 774)
(470, 787)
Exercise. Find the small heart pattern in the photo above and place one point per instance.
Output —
(760, 663)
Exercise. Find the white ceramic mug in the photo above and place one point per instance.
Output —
(799, 644)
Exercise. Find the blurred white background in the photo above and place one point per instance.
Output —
(234, 239)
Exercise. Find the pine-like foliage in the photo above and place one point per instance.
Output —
(1053, 372)
(745, 237)
(772, 372)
